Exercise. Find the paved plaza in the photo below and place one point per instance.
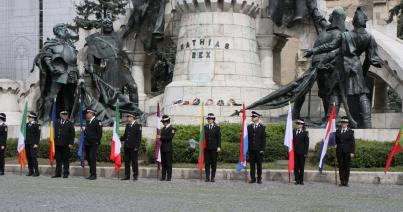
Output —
(20, 193)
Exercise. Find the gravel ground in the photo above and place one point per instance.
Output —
(21, 193)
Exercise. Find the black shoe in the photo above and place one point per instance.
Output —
(1, 173)
(301, 183)
(212, 180)
(162, 179)
(125, 178)
(29, 174)
(341, 185)
(252, 181)
(56, 176)
(92, 177)
(36, 174)
(169, 179)
(134, 178)
(207, 180)
(259, 181)
(296, 183)
(88, 177)
(346, 185)
(65, 176)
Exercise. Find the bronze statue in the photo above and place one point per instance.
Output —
(352, 72)
(147, 22)
(57, 62)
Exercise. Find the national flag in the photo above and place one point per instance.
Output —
(289, 140)
(52, 135)
(202, 140)
(397, 147)
(243, 146)
(116, 144)
(80, 152)
(330, 137)
(157, 148)
(21, 138)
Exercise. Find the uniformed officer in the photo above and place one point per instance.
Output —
(212, 134)
(257, 146)
(345, 148)
(3, 140)
(33, 135)
(132, 140)
(64, 140)
(167, 134)
(93, 135)
(301, 147)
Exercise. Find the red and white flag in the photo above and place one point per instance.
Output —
(157, 150)
(288, 140)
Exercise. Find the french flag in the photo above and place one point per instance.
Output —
(330, 137)
(243, 146)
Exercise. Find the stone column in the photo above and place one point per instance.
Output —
(138, 58)
(265, 44)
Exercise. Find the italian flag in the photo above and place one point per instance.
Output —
(116, 144)
(202, 140)
(288, 140)
(21, 138)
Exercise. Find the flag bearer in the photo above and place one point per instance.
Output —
(257, 146)
(64, 140)
(345, 148)
(3, 140)
(33, 135)
(93, 135)
(301, 147)
(132, 140)
(212, 134)
(167, 134)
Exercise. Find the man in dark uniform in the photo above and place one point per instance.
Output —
(132, 140)
(212, 134)
(3, 140)
(301, 146)
(257, 146)
(167, 134)
(93, 135)
(345, 148)
(33, 135)
(64, 140)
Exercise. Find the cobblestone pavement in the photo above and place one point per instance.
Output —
(21, 193)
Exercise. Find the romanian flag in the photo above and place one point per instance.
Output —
(397, 147)
(243, 146)
(21, 139)
(202, 140)
(80, 152)
(116, 144)
(157, 149)
(288, 140)
(52, 135)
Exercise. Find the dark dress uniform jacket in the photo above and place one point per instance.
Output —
(3, 134)
(132, 136)
(167, 134)
(301, 142)
(93, 132)
(65, 133)
(257, 137)
(345, 141)
(213, 137)
(33, 133)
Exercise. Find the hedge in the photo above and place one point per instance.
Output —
(367, 154)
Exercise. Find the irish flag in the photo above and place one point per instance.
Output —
(116, 144)
(288, 140)
(397, 147)
(243, 146)
(21, 138)
(52, 135)
(202, 140)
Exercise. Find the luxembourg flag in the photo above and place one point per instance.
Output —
(243, 146)
(330, 136)
(116, 144)
(157, 150)
(288, 140)
(21, 138)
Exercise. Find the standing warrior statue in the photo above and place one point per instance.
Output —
(351, 46)
(57, 62)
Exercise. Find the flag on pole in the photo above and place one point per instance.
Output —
(397, 147)
(21, 138)
(330, 136)
(80, 152)
(288, 140)
(116, 144)
(243, 146)
(52, 135)
(157, 148)
(202, 140)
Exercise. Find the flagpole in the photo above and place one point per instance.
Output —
(246, 173)
(335, 165)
